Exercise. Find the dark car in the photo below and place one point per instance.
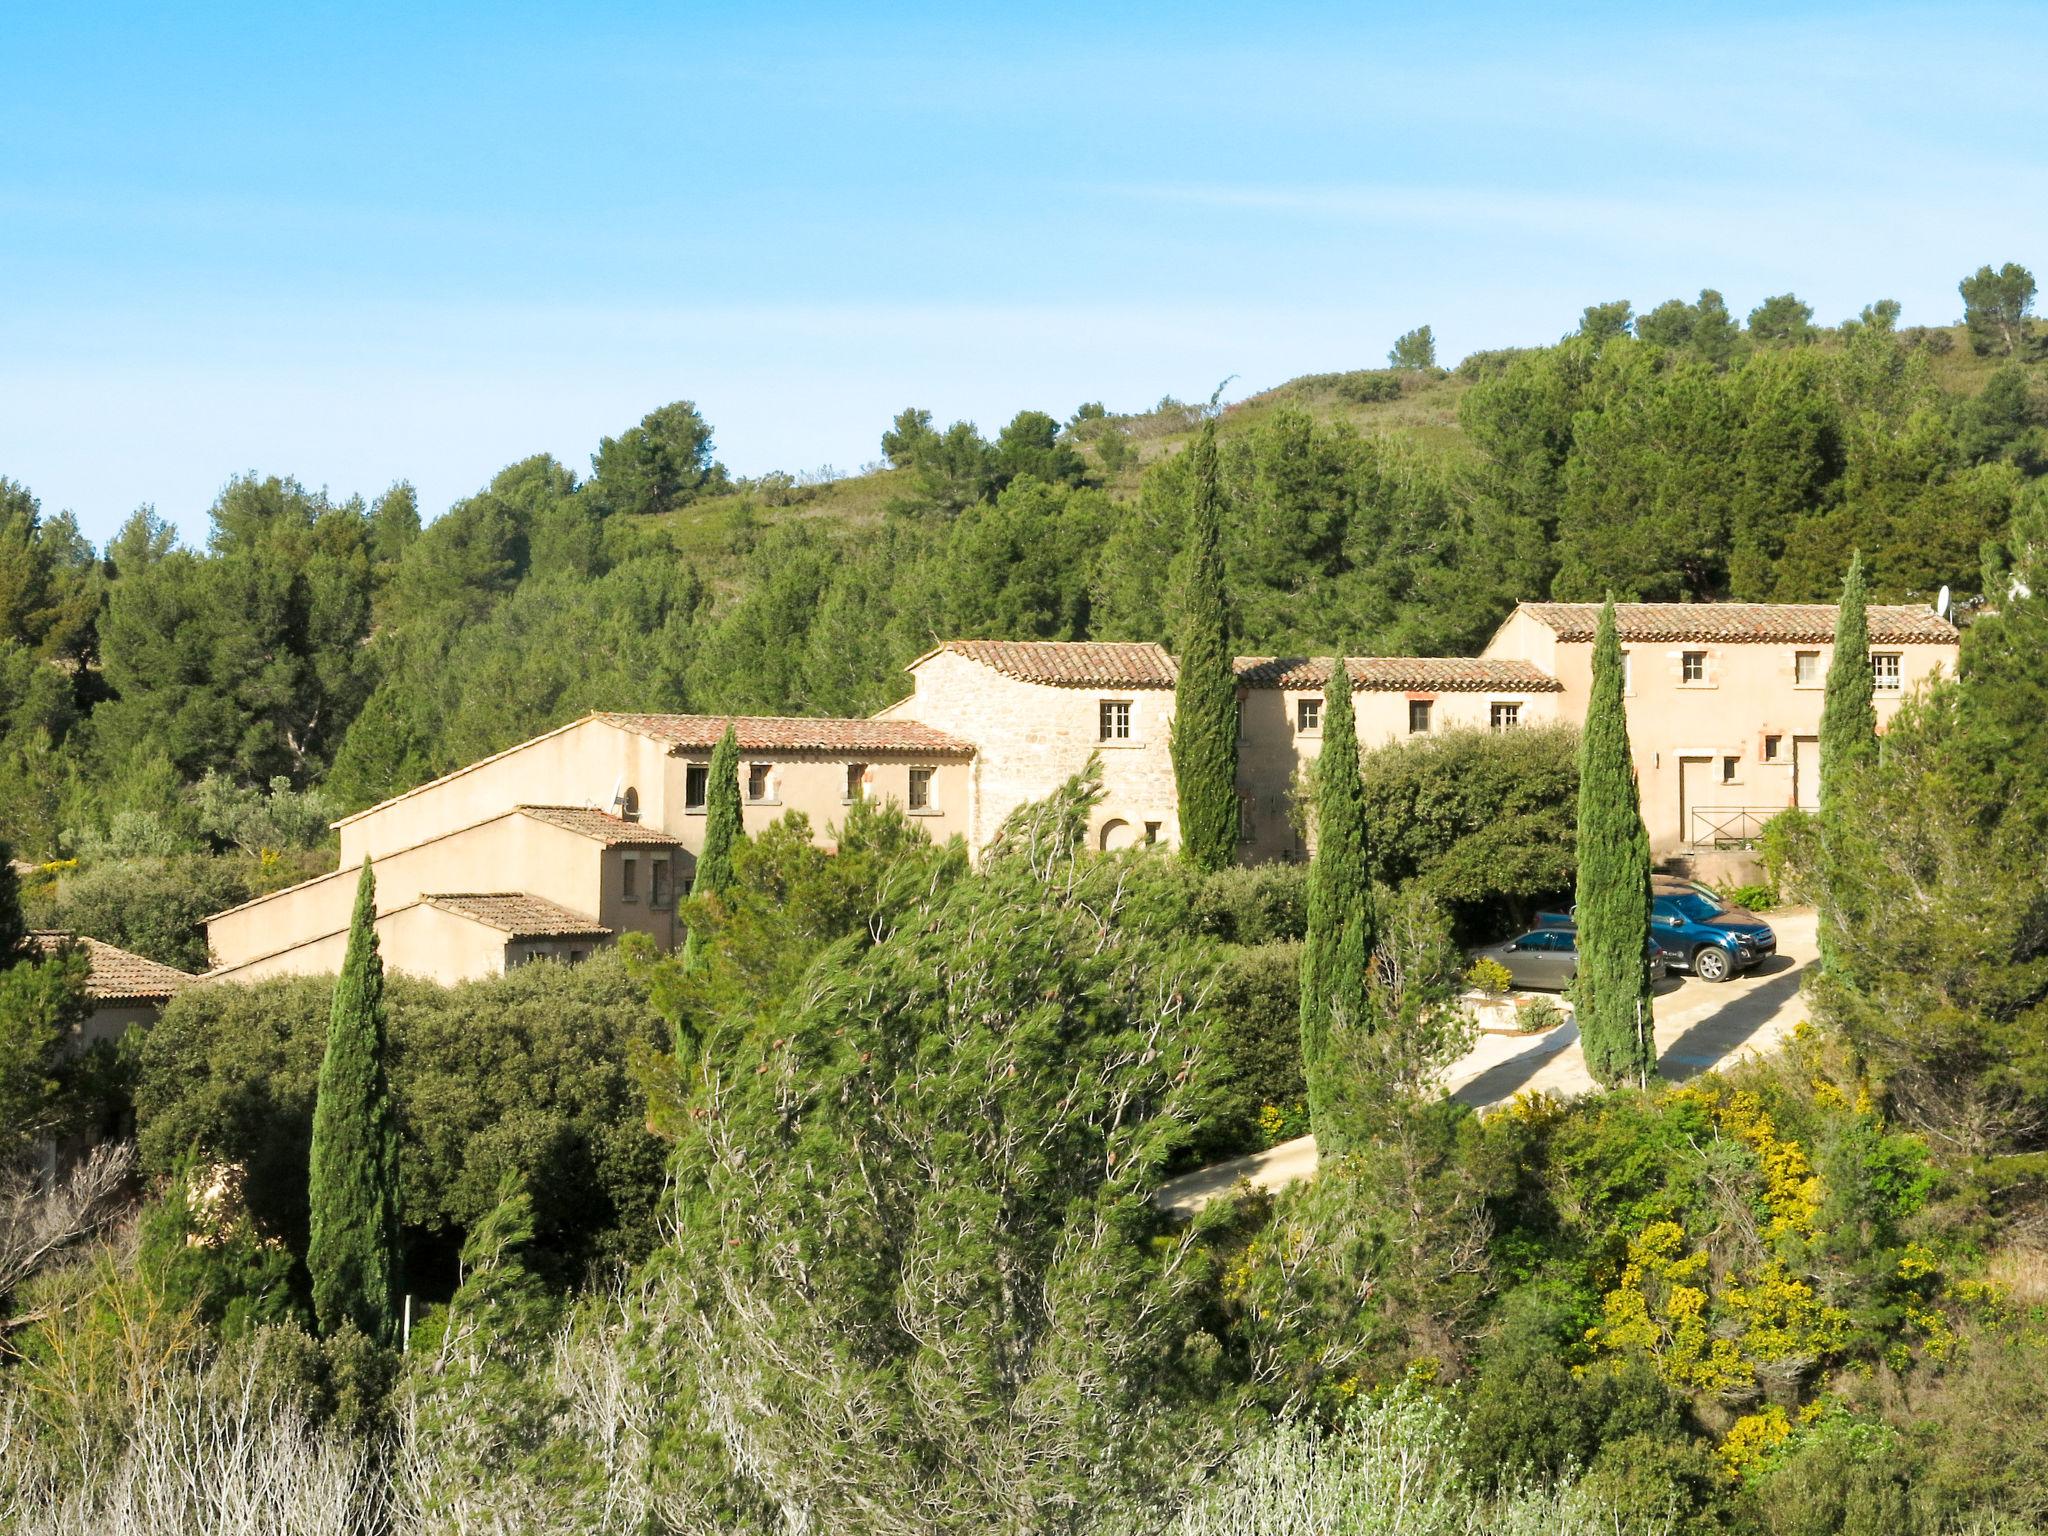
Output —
(1697, 931)
(1700, 933)
(1548, 957)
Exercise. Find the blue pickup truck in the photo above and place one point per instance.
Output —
(1698, 932)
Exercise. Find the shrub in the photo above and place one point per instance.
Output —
(156, 907)
(1488, 975)
(1254, 1094)
(1790, 850)
(1487, 820)
(1255, 904)
(1368, 388)
(1752, 898)
(1538, 1014)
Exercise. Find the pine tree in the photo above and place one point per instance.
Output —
(1204, 736)
(1339, 942)
(352, 1254)
(1612, 992)
(1848, 728)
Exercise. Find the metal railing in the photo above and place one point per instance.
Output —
(1728, 826)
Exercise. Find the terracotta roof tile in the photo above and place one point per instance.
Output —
(603, 826)
(1743, 623)
(117, 975)
(762, 733)
(518, 914)
(1072, 663)
(1448, 674)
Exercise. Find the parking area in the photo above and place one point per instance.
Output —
(1700, 1025)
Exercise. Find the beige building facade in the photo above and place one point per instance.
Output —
(1724, 699)
(560, 844)
(557, 846)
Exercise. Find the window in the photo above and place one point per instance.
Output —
(696, 781)
(1115, 718)
(1308, 715)
(659, 891)
(1506, 716)
(1692, 666)
(921, 789)
(576, 956)
(1728, 765)
(1884, 670)
(629, 804)
(856, 781)
(1806, 669)
(1418, 716)
(629, 879)
(1628, 671)
(757, 782)
(1151, 833)
(1774, 749)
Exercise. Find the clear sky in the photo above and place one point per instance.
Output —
(358, 243)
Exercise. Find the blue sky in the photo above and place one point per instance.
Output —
(370, 242)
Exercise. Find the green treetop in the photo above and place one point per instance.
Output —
(1338, 945)
(1204, 736)
(1613, 985)
(352, 1249)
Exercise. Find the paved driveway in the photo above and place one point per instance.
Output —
(1699, 1026)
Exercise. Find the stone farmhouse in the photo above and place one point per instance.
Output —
(563, 842)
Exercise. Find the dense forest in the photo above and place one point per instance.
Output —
(841, 1218)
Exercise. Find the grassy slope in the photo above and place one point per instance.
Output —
(1425, 415)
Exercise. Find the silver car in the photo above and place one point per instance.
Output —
(1546, 959)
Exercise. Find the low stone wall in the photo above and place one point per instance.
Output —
(1503, 1015)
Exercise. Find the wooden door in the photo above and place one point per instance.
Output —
(1806, 772)
(1695, 792)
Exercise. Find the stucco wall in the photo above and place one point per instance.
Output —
(1750, 694)
(815, 784)
(110, 1021)
(1272, 750)
(1030, 737)
(583, 764)
(507, 853)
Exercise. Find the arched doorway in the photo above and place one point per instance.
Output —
(1116, 834)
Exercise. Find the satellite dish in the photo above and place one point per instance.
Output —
(618, 791)
(1941, 603)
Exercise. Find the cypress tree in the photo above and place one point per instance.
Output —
(1612, 992)
(1848, 717)
(723, 830)
(352, 1254)
(1848, 727)
(722, 825)
(1204, 736)
(1338, 944)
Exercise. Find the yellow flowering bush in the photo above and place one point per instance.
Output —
(1753, 1437)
